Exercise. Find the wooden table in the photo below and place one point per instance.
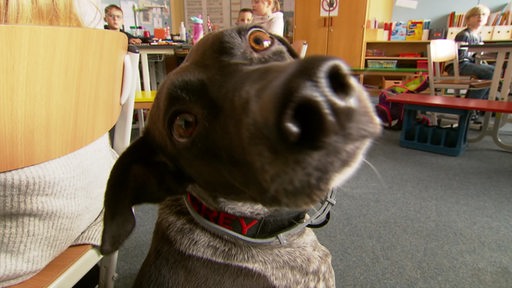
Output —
(503, 54)
(146, 50)
(144, 97)
(503, 51)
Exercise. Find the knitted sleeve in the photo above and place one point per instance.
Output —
(47, 207)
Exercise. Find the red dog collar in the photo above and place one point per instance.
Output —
(243, 227)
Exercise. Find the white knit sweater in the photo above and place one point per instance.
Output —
(47, 207)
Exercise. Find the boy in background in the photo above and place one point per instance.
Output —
(114, 19)
(475, 19)
(244, 16)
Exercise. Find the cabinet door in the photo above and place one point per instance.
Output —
(310, 26)
(346, 32)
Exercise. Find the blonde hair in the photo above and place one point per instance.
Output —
(39, 12)
(477, 10)
(113, 7)
(276, 6)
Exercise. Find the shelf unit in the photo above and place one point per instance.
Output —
(391, 50)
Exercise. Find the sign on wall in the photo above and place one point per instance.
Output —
(329, 8)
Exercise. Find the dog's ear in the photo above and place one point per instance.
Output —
(140, 175)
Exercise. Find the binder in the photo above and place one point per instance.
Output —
(453, 31)
(502, 32)
(486, 33)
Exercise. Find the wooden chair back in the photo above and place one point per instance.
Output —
(58, 90)
(442, 52)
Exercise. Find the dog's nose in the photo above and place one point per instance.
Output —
(324, 99)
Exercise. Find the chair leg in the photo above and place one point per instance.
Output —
(141, 120)
(108, 275)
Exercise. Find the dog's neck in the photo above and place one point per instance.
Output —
(273, 228)
(258, 230)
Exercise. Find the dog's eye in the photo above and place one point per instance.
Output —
(184, 127)
(259, 40)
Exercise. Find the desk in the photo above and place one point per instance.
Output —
(450, 141)
(144, 99)
(504, 54)
(145, 50)
(503, 50)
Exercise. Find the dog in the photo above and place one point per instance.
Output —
(243, 139)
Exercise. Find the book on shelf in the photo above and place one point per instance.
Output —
(399, 31)
(414, 30)
(456, 19)
(437, 33)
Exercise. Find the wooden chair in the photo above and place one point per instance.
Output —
(61, 89)
(442, 52)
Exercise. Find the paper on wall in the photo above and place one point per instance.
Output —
(412, 4)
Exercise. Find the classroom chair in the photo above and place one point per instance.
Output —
(442, 52)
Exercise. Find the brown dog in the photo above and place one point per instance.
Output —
(243, 139)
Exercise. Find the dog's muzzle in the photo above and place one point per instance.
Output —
(309, 115)
(313, 99)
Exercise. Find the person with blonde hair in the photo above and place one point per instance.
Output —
(39, 12)
(47, 207)
(267, 14)
(475, 18)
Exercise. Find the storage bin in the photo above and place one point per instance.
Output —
(447, 141)
(382, 63)
(422, 64)
(374, 52)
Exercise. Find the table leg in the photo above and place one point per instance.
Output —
(145, 71)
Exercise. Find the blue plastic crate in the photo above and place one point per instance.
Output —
(448, 141)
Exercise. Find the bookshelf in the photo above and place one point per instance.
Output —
(409, 55)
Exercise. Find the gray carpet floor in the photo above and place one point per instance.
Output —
(408, 218)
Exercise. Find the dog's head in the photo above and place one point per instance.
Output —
(244, 120)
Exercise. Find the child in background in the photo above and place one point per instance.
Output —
(475, 18)
(114, 19)
(268, 16)
(244, 16)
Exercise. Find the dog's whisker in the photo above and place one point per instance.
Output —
(374, 169)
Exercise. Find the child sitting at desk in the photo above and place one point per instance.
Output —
(244, 16)
(114, 19)
(475, 18)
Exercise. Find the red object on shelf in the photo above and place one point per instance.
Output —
(422, 64)
(409, 55)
